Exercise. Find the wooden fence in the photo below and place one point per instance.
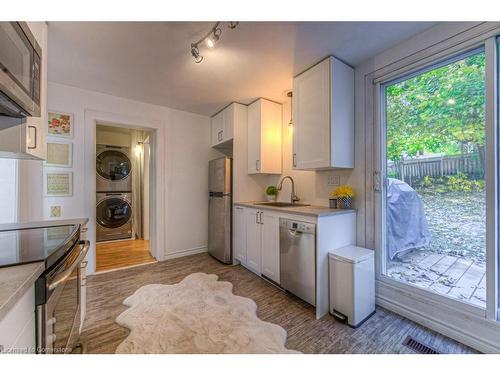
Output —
(412, 170)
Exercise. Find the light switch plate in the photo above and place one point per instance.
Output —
(55, 211)
(333, 180)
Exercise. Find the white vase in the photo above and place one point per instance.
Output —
(271, 198)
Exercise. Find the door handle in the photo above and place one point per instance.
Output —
(32, 127)
(67, 273)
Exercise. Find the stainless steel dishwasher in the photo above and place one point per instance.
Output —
(298, 259)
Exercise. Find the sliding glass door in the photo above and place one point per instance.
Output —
(433, 199)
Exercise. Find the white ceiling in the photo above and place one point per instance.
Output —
(150, 61)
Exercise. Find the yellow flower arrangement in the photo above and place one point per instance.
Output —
(343, 191)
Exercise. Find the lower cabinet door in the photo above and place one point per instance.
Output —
(240, 235)
(253, 239)
(270, 252)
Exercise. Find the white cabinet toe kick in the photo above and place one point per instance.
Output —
(256, 243)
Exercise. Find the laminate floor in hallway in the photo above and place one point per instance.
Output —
(382, 333)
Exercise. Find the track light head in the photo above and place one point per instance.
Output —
(210, 39)
(195, 52)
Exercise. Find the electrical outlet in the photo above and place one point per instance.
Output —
(333, 180)
(55, 211)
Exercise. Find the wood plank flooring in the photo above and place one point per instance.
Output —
(383, 333)
(120, 254)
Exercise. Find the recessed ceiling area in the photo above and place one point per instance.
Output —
(151, 61)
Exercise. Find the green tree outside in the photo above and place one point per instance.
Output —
(438, 111)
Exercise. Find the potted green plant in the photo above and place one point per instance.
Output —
(344, 195)
(271, 192)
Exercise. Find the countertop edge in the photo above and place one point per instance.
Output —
(19, 292)
(296, 211)
(42, 223)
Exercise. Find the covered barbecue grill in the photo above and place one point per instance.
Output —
(406, 224)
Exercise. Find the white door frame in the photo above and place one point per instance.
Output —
(157, 185)
(467, 323)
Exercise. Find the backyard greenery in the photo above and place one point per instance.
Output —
(438, 111)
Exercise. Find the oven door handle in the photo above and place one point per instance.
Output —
(67, 273)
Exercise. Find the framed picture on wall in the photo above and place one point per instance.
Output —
(57, 183)
(59, 154)
(60, 124)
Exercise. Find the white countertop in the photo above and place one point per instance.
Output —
(317, 211)
(15, 281)
(42, 224)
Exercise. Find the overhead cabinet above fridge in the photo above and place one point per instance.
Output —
(323, 116)
(222, 125)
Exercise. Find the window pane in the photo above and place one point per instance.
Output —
(435, 207)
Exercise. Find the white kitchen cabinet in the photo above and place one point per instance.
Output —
(222, 125)
(240, 235)
(261, 252)
(253, 239)
(270, 245)
(24, 141)
(264, 137)
(323, 116)
(17, 328)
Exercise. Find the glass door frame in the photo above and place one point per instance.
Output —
(379, 177)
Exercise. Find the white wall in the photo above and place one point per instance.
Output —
(182, 140)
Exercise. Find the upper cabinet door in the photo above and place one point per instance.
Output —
(323, 116)
(222, 126)
(217, 131)
(264, 137)
(253, 137)
(228, 123)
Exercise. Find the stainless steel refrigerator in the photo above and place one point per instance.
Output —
(219, 209)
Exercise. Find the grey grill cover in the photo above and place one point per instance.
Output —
(406, 224)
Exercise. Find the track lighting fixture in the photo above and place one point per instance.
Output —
(210, 39)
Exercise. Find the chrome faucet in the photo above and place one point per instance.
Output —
(293, 197)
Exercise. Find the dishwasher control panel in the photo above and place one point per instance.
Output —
(298, 226)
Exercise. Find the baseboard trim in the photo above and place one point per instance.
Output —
(185, 252)
(478, 333)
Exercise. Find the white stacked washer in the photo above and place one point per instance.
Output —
(114, 197)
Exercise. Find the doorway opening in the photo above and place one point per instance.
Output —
(122, 165)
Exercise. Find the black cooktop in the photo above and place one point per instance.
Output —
(38, 244)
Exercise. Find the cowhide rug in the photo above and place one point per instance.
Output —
(197, 315)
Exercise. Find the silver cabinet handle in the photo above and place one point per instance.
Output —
(257, 165)
(32, 127)
(261, 221)
(294, 162)
(67, 273)
(257, 217)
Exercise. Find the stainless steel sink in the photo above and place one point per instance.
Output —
(282, 204)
